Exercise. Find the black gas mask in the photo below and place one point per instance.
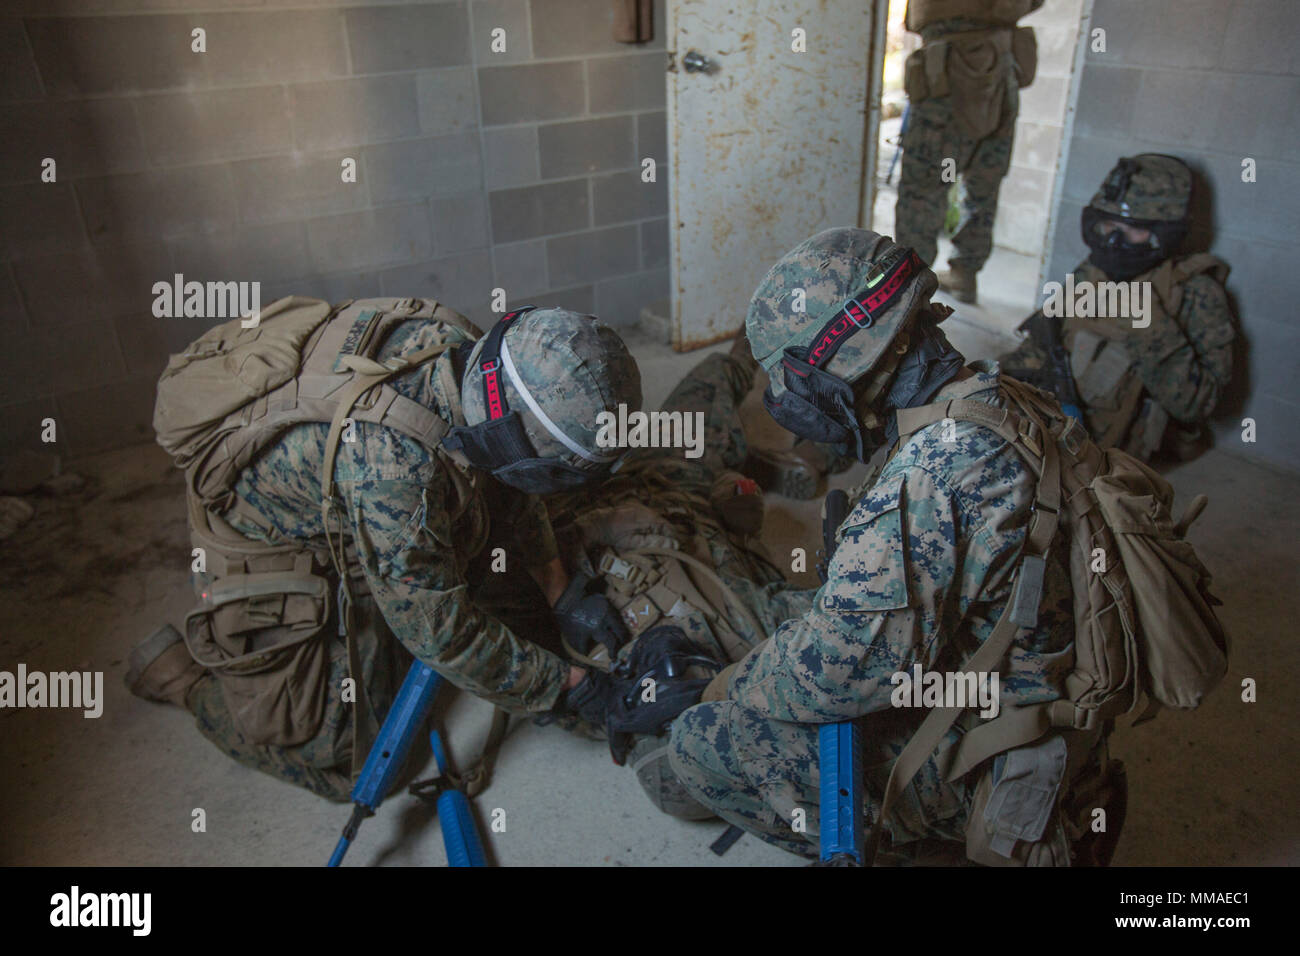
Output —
(817, 405)
(1121, 258)
(500, 444)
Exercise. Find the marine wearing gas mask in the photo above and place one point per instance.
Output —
(920, 574)
(1144, 387)
(376, 502)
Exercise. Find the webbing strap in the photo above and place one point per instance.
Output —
(476, 779)
(1031, 438)
(1014, 728)
(937, 723)
(713, 578)
(362, 738)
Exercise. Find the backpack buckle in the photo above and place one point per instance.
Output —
(610, 563)
(1029, 436)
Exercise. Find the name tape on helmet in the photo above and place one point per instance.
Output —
(884, 285)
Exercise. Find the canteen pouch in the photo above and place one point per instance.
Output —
(1024, 50)
(264, 636)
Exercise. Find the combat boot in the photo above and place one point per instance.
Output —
(160, 668)
(958, 283)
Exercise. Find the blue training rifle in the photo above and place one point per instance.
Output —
(405, 719)
(839, 746)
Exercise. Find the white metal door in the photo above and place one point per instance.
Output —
(767, 145)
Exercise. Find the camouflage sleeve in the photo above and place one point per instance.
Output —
(534, 538)
(881, 606)
(404, 545)
(1187, 373)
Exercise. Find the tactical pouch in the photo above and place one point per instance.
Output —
(1014, 818)
(1024, 50)
(914, 82)
(264, 637)
(977, 72)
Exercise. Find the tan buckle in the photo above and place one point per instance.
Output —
(1073, 436)
(1028, 432)
(610, 563)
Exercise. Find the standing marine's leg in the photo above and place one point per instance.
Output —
(981, 180)
(922, 192)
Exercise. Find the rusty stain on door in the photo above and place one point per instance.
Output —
(766, 145)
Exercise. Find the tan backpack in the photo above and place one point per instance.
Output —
(261, 626)
(1145, 627)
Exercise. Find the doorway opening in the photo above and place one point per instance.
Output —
(1010, 282)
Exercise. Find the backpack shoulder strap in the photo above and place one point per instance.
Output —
(939, 720)
(1029, 434)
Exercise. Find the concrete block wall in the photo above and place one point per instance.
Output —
(1213, 82)
(475, 169)
(1026, 195)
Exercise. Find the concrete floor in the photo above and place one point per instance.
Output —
(95, 572)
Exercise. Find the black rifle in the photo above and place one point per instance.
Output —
(1046, 332)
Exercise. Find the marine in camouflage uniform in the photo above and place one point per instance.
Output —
(923, 570)
(1145, 388)
(422, 527)
(962, 107)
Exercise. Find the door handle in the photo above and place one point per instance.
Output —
(696, 62)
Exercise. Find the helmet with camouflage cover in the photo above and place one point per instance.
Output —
(829, 315)
(556, 371)
(1149, 192)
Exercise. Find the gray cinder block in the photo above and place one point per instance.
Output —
(619, 301)
(446, 100)
(585, 146)
(635, 82)
(1261, 37)
(80, 55)
(510, 16)
(537, 91)
(391, 38)
(589, 256)
(39, 219)
(110, 416)
(459, 223)
(520, 267)
(18, 76)
(463, 282)
(623, 196)
(297, 187)
(531, 211)
(206, 125)
(581, 27)
(654, 244)
(105, 281)
(443, 165)
(256, 253)
(83, 137)
(349, 112)
(359, 240)
(510, 156)
(161, 203)
(652, 136)
(277, 46)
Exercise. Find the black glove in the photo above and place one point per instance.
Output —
(589, 700)
(587, 619)
(655, 669)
